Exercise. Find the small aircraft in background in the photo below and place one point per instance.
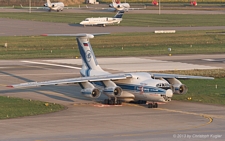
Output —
(141, 87)
(193, 3)
(155, 3)
(117, 5)
(57, 6)
(103, 20)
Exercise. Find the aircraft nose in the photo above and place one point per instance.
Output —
(169, 93)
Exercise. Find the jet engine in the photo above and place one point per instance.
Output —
(179, 89)
(113, 91)
(45, 5)
(53, 5)
(118, 6)
(177, 86)
(91, 92)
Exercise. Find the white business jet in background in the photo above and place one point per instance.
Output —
(103, 20)
(117, 5)
(57, 6)
(141, 87)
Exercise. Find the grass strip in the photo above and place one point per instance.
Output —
(203, 91)
(129, 19)
(17, 107)
(121, 44)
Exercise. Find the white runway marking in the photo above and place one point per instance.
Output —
(49, 64)
(132, 64)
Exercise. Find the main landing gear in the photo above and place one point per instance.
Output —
(112, 102)
(153, 105)
(150, 104)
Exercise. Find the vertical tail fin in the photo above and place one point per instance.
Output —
(49, 3)
(119, 14)
(90, 65)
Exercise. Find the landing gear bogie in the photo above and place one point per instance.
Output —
(112, 102)
(152, 105)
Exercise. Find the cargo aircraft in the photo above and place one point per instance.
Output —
(103, 20)
(140, 87)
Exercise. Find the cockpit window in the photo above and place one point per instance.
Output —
(163, 85)
(86, 20)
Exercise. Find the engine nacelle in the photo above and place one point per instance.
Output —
(53, 5)
(118, 6)
(113, 91)
(91, 92)
(179, 89)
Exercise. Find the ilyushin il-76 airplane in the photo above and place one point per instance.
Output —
(103, 20)
(57, 6)
(139, 87)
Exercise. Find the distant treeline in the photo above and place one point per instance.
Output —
(74, 2)
(37, 2)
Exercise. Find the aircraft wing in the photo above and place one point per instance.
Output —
(26, 7)
(112, 77)
(161, 75)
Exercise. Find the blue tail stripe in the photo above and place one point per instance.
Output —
(83, 54)
(93, 55)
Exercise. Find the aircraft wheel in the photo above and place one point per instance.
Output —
(155, 105)
(119, 102)
(150, 105)
(106, 101)
(111, 102)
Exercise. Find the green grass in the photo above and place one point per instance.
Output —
(203, 91)
(152, 20)
(16, 107)
(123, 44)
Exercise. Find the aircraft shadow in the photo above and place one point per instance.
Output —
(75, 24)
(67, 90)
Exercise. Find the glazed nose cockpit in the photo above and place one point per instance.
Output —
(164, 86)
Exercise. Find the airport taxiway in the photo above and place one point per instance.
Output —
(86, 119)
(14, 27)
